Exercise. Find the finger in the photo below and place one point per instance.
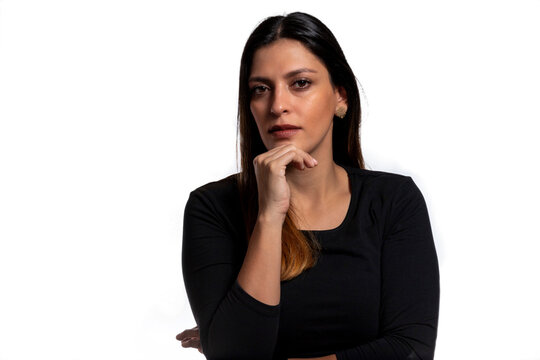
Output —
(270, 153)
(279, 165)
(189, 333)
(304, 159)
(194, 343)
(278, 152)
(309, 160)
(191, 338)
(289, 157)
(296, 159)
(283, 150)
(298, 162)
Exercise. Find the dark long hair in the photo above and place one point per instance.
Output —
(299, 252)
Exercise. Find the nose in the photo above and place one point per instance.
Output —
(279, 103)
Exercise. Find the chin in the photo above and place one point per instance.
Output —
(275, 143)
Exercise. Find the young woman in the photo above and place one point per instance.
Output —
(305, 253)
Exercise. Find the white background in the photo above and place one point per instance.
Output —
(113, 111)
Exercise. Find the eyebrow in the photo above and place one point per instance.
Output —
(287, 75)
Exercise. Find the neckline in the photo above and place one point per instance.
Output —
(352, 188)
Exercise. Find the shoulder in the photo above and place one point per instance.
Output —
(218, 196)
(392, 190)
(396, 195)
(379, 181)
(225, 187)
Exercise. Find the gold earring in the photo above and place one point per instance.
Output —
(341, 111)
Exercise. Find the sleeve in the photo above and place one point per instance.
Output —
(232, 324)
(409, 308)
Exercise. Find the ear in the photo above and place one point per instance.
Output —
(341, 95)
(341, 99)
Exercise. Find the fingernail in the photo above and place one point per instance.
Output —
(315, 161)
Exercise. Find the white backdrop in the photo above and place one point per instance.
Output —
(113, 111)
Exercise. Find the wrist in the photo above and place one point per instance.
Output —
(271, 219)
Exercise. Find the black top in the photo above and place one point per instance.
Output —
(373, 294)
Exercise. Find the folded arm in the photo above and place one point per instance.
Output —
(232, 323)
(410, 284)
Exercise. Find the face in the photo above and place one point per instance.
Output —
(291, 88)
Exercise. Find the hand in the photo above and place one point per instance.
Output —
(270, 168)
(190, 338)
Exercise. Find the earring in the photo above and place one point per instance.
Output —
(341, 111)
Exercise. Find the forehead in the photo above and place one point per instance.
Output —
(283, 56)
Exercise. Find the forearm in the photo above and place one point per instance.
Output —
(260, 273)
(232, 324)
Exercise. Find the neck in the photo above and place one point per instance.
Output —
(314, 185)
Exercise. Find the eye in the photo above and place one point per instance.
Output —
(259, 89)
(302, 83)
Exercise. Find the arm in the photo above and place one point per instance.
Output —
(409, 284)
(232, 323)
(238, 314)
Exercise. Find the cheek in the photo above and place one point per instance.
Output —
(320, 107)
(256, 108)
(256, 112)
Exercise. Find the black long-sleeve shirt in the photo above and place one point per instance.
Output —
(373, 294)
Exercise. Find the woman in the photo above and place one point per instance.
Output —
(305, 253)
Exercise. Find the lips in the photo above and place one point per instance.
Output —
(283, 127)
